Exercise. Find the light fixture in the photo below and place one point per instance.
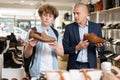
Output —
(32, 4)
(22, 1)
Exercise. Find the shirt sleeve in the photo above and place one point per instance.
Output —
(59, 38)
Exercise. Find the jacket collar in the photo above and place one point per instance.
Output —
(76, 30)
(90, 27)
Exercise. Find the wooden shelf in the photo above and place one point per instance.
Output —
(109, 16)
(102, 11)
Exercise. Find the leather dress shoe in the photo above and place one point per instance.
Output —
(93, 38)
(43, 37)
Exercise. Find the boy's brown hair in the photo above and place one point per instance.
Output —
(47, 8)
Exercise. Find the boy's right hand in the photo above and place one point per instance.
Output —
(32, 42)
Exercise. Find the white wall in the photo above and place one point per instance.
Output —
(16, 11)
(30, 14)
(88, 1)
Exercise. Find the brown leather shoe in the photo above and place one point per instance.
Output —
(93, 38)
(43, 37)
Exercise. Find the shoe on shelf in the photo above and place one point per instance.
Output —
(43, 37)
(93, 38)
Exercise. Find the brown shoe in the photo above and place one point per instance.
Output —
(43, 37)
(93, 38)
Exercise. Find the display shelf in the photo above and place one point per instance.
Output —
(109, 16)
(106, 16)
(107, 10)
(6, 22)
(1, 65)
(10, 73)
(94, 16)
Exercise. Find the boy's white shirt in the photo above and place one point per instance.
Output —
(46, 58)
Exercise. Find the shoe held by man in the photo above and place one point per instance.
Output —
(43, 37)
(93, 38)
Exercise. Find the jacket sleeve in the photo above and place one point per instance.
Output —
(101, 49)
(69, 45)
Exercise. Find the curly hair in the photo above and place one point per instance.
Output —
(47, 8)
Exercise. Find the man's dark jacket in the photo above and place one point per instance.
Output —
(71, 39)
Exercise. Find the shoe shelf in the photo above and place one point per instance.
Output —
(109, 16)
(106, 16)
(9, 72)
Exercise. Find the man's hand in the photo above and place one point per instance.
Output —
(82, 45)
(99, 45)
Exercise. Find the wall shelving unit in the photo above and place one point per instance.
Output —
(109, 16)
(106, 16)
